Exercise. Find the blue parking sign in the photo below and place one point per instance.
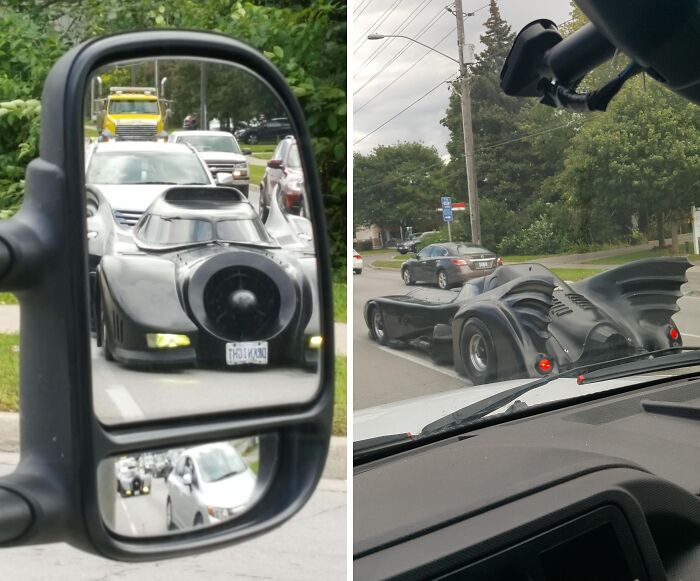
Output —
(446, 208)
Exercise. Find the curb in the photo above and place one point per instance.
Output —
(336, 462)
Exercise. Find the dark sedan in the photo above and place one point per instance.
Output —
(449, 264)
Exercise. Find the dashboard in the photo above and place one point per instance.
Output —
(602, 490)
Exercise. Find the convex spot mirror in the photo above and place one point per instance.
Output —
(161, 311)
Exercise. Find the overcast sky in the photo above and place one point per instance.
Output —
(430, 20)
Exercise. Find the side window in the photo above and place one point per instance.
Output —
(278, 151)
(180, 466)
(441, 251)
(425, 253)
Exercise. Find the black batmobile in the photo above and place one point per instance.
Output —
(200, 281)
(523, 321)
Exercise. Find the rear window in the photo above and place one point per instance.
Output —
(467, 250)
(225, 143)
(160, 230)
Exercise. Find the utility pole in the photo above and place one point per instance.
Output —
(467, 129)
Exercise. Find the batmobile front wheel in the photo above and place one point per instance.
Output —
(478, 352)
(378, 331)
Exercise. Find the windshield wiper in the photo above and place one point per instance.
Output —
(364, 449)
(227, 475)
(615, 368)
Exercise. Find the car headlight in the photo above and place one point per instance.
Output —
(221, 513)
(145, 488)
(315, 342)
(166, 340)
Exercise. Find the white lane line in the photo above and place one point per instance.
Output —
(419, 361)
(689, 335)
(132, 526)
(123, 401)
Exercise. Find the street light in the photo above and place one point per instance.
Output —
(466, 121)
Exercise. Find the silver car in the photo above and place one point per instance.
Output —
(210, 484)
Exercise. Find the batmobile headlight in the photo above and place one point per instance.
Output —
(145, 488)
(166, 340)
(315, 342)
(128, 492)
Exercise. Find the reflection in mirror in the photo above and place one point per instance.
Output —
(203, 271)
(159, 491)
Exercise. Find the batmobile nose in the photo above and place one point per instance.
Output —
(241, 301)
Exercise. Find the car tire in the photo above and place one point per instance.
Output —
(198, 520)
(478, 352)
(106, 341)
(402, 251)
(262, 206)
(169, 523)
(377, 329)
(357, 271)
(253, 138)
(407, 277)
(442, 280)
(244, 190)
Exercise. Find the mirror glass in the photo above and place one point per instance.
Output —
(155, 492)
(203, 270)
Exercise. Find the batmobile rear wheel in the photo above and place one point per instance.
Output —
(478, 352)
(106, 341)
(378, 331)
(407, 277)
(169, 515)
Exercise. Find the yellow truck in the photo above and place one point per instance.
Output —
(132, 114)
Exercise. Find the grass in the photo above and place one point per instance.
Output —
(525, 258)
(387, 263)
(256, 173)
(574, 274)
(8, 299)
(378, 251)
(632, 256)
(264, 154)
(340, 302)
(259, 147)
(340, 407)
(9, 371)
(90, 132)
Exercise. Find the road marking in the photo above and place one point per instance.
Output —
(123, 401)
(419, 361)
(132, 526)
(689, 335)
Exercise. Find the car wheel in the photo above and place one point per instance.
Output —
(407, 276)
(169, 515)
(262, 206)
(378, 330)
(442, 279)
(253, 138)
(106, 341)
(244, 190)
(402, 251)
(198, 520)
(357, 271)
(478, 352)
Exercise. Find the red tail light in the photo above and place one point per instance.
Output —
(357, 256)
(459, 262)
(673, 334)
(499, 261)
(543, 364)
(580, 379)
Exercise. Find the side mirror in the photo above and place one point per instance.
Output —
(247, 151)
(156, 379)
(224, 179)
(275, 164)
(187, 479)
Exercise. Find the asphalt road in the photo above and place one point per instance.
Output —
(383, 375)
(310, 546)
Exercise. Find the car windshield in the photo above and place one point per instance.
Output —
(293, 160)
(145, 167)
(244, 230)
(122, 106)
(587, 220)
(219, 463)
(226, 143)
(161, 230)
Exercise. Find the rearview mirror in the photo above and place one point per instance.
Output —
(275, 164)
(168, 320)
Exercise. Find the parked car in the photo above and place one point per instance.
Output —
(449, 264)
(131, 174)
(272, 130)
(283, 170)
(411, 244)
(131, 479)
(210, 484)
(221, 152)
(356, 262)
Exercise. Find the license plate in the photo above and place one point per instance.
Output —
(483, 264)
(246, 353)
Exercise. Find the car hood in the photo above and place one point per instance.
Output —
(221, 156)
(230, 492)
(412, 415)
(132, 197)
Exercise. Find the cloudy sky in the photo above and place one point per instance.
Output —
(377, 63)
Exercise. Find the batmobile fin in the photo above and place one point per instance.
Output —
(650, 288)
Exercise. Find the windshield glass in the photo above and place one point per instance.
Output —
(160, 230)
(579, 232)
(122, 106)
(219, 463)
(294, 160)
(225, 143)
(242, 231)
(145, 167)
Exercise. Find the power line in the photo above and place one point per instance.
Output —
(381, 19)
(447, 80)
(524, 136)
(426, 53)
(362, 9)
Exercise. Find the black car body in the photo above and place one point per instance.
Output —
(411, 244)
(204, 283)
(523, 321)
(449, 264)
(271, 130)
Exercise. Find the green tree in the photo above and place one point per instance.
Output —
(397, 185)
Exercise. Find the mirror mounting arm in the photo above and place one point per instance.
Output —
(16, 516)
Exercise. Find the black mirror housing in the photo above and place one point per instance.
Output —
(53, 496)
